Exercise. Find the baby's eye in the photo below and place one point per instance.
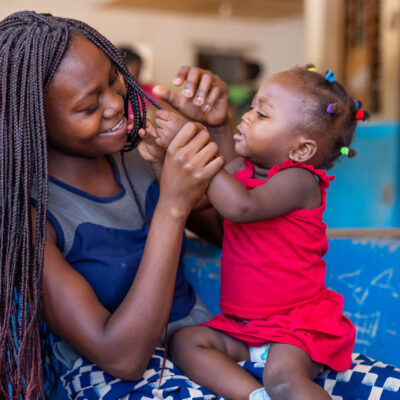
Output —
(261, 115)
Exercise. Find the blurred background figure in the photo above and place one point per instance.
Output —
(241, 94)
(134, 63)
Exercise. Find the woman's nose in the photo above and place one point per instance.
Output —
(113, 104)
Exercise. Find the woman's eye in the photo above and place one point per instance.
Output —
(113, 79)
(114, 76)
(91, 109)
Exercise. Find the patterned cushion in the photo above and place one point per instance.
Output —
(366, 380)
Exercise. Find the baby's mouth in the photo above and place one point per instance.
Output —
(239, 135)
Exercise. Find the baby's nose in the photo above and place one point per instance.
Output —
(246, 117)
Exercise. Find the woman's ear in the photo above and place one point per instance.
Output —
(304, 151)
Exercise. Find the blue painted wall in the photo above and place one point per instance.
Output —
(366, 192)
(366, 272)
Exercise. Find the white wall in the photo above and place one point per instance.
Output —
(170, 40)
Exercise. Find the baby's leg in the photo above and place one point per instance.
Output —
(289, 373)
(209, 358)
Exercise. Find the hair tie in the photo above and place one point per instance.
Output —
(360, 114)
(312, 69)
(330, 77)
(329, 109)
(357, 104)
(344, 151)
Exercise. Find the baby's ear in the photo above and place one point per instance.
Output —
(304, 150)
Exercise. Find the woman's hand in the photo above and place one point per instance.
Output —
(204, 96)
(190, 163)
(150, 147)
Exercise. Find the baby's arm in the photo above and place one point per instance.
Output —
(169, 123)
(288, 190)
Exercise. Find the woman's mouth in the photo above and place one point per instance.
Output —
(119, 129)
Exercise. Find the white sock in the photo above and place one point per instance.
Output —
(259, 394)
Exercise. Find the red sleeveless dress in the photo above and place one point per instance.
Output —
(272, 281)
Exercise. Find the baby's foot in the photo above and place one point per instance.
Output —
(169, 123)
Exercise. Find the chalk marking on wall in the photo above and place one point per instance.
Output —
(366, 326)
(360, 292)
(383, 281)
(349, 275)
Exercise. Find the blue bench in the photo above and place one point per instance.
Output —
(364, 266)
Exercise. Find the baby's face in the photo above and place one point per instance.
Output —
(84, 105)
(268, 132)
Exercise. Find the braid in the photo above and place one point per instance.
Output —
(31, 48)
(333, 112)
(24, 55)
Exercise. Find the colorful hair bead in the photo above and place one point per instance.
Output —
(344, 151)
(312, 69)
(330, 109)
(357, 104)
(360, 114)
(330, 77)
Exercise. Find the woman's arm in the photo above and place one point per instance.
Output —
(122, 342)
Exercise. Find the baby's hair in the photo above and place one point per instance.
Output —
(31, 48)
(332, 113)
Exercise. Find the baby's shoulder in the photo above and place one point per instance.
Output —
(302, 183)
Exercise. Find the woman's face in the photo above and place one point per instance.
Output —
(84, 106)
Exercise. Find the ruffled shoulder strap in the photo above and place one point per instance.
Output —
(248, 163)
(245, 175)
(323, 178)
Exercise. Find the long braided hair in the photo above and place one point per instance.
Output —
(31, 47)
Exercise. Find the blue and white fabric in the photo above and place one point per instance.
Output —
(366, 380)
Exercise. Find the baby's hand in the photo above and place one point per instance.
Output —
(169, 123)
(150, 147)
